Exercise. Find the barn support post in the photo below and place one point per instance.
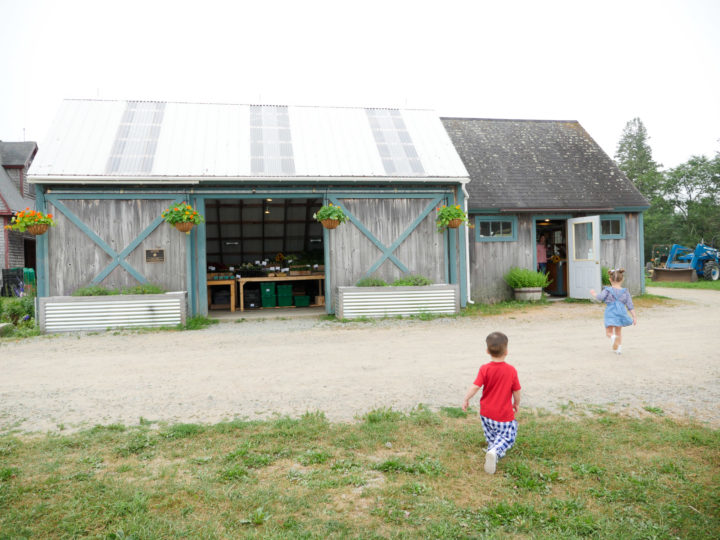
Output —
(199, 299)
(41, 248)
(462, 233)
(641, 247)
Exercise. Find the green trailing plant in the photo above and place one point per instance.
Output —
(330, 211)
(520, 278)
(446, 214)
(412, 281)
(371, 282)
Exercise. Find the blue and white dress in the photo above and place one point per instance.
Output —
(619, 302)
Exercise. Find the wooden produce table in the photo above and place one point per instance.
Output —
(243, 280)
(230, 282)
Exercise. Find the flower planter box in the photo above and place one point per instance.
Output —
(77, 313)
(526, 294)
(354, 302)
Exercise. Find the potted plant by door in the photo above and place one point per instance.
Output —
(330, 216)
(450, 217)
(31, 221)
(182, 216)
(526, 284)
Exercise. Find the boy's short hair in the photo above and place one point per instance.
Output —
(497, 344)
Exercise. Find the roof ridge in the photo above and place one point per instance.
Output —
(509, 119)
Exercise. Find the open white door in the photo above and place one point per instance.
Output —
(583, 256)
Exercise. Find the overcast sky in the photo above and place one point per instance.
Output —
(599, 62)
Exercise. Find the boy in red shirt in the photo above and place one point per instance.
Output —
(499, 402)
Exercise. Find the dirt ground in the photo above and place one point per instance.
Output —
(257, 369)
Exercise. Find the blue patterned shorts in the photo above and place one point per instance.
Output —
(500, 436)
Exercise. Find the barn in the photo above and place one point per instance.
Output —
(533, 178)
(257, 173)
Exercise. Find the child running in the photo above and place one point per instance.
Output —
(499, 402)
(619, 302)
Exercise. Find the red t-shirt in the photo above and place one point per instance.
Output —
(499, 380)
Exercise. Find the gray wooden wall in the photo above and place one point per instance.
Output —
(352, 253)
(489, 261)
(74, 259)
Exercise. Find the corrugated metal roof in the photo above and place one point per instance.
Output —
(120, 141)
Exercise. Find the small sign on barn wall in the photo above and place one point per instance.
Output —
(154, 255)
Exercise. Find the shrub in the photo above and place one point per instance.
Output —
(93, 290)
(605, 275)
(146, 288)
(19, 309)
(99, 290)
(412, 281)
(371, 282)
(519, 278)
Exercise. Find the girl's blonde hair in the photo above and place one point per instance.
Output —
(617, 274)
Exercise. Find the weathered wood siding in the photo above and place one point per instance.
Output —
(352, 254)
(75, 259)
(490, 261)
(625, 253)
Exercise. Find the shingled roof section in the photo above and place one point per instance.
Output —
(16, 154)
(532, 165)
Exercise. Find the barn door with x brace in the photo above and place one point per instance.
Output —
(389, 235)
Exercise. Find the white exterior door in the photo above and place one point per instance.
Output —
(583, 256)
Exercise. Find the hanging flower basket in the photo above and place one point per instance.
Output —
(330, 223)
(330, 216)
(31, 221)
(182, 217)
(185, 226)
(37, 230)
(450, 217)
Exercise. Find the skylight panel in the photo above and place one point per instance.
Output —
(394, 144)
(133, 150)
(271, 149)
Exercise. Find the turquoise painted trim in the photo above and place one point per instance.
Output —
(328, 289)
(641, 243)
(452, 248)
(482, 219)
(192, 263)
(632, 208)
(129, 249)
(395, 194)
(462, 232)
(201, 300)
(110, 196)
(41, 249)
(483, 211)
(613, 217)
(99, 241)
(387, 252)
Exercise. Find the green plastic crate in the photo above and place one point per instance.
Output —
(285, 300)
(269, 301)
(268, 288)
(302, 301)
(284, 290)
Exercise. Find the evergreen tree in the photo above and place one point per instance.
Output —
(634, 157)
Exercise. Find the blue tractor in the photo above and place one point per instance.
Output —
(703, 261)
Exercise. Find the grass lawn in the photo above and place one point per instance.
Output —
(699, 284)
(388, 475)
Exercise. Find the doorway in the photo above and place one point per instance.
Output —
(554, 231)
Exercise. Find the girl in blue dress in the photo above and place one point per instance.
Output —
(619, 310)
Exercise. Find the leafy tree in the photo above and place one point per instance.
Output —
(634, 158)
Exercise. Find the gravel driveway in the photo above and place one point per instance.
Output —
(257, 369)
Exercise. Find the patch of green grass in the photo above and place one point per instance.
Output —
(654, 410)
(502, 308)
(386, 475)
(198, 322)
(699, 284)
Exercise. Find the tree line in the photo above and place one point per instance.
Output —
(684, 201)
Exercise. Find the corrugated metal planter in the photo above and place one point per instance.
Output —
(75, 313)
(354, 302)
(526, 294)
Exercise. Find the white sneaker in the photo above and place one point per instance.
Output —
(618, 350)
(612, 342)
(490, 462)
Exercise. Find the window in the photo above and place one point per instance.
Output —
(495, 229)
(612, 227)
